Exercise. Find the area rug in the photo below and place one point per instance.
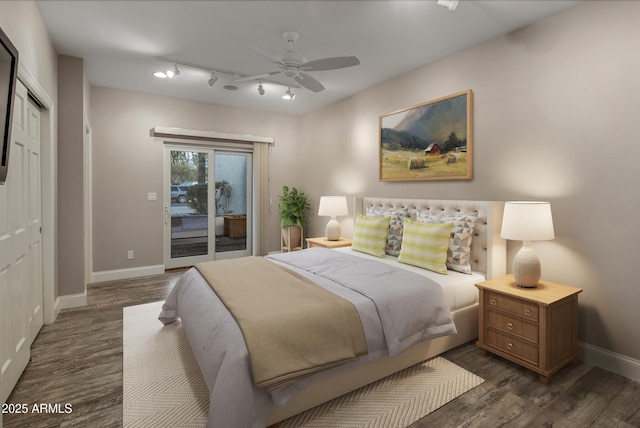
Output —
(163, 386)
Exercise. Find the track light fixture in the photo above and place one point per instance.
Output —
(289, 95)
(215, 74)
(213, 79)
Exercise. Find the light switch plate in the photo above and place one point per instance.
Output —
(152, 196)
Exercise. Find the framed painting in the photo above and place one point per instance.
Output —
(430, 141)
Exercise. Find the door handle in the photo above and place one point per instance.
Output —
(166, 215)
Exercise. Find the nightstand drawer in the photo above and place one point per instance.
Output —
(511, 346)
(511, 305)
(512, 325)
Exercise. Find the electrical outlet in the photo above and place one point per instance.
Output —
(130, 255)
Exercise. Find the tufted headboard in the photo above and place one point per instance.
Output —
(488, 249)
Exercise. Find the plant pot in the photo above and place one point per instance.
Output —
(291, 237)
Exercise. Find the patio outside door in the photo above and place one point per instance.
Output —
(208, 210)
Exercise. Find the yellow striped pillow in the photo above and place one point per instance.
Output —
(425, 245)
(370, 235)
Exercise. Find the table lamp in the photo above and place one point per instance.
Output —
(333, 206)
(527, 221)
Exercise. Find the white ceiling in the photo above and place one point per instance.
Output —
(119, 41)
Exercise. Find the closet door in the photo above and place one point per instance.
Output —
(15, 258)
(34, 221)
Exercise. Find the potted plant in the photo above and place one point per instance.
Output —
(292, 210)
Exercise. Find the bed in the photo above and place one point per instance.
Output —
(234, 398)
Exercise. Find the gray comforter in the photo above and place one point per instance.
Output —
(397, 308)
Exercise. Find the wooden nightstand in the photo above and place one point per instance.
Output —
(534, 327)
(325, 243)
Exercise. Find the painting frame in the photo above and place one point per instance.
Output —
(429, 141)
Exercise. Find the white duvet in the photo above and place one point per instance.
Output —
(397, 309)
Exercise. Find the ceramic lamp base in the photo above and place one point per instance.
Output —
(333, 230)
(526, 267)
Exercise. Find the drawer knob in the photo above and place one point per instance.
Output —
(527, 312)
(509, 326)
(493, 302)
(509, 346)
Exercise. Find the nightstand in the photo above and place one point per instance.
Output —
(325, 243)
(536, 328)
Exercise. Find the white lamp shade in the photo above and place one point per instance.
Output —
(527, 221)
(333, 206)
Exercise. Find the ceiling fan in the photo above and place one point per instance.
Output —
(295, 66)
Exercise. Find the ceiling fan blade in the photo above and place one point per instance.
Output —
(330, 63)
(309, 82)
(266, 55)
(255, 77)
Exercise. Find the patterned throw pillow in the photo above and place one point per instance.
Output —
(459, 252)
(394, 238)
(425, 245)
(370, 235)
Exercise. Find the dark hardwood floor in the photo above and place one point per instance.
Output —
(78, 360)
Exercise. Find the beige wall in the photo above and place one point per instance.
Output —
(71, 201)
(556, 109)
(128, 164)
(22, 22)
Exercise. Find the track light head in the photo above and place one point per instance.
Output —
(289, 95)
(166, 74)
(260, 89)
(213, 79)
(449, 4)
(176, 70)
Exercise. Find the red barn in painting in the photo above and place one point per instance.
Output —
(433, 149)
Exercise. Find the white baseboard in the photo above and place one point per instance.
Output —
(71, 301)
(616, 363)
(56, 309)
(114, 275)
(80, 299)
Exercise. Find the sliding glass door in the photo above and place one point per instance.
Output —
(208, 207)
(232, 175)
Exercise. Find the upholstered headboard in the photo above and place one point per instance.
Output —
(488, 249)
